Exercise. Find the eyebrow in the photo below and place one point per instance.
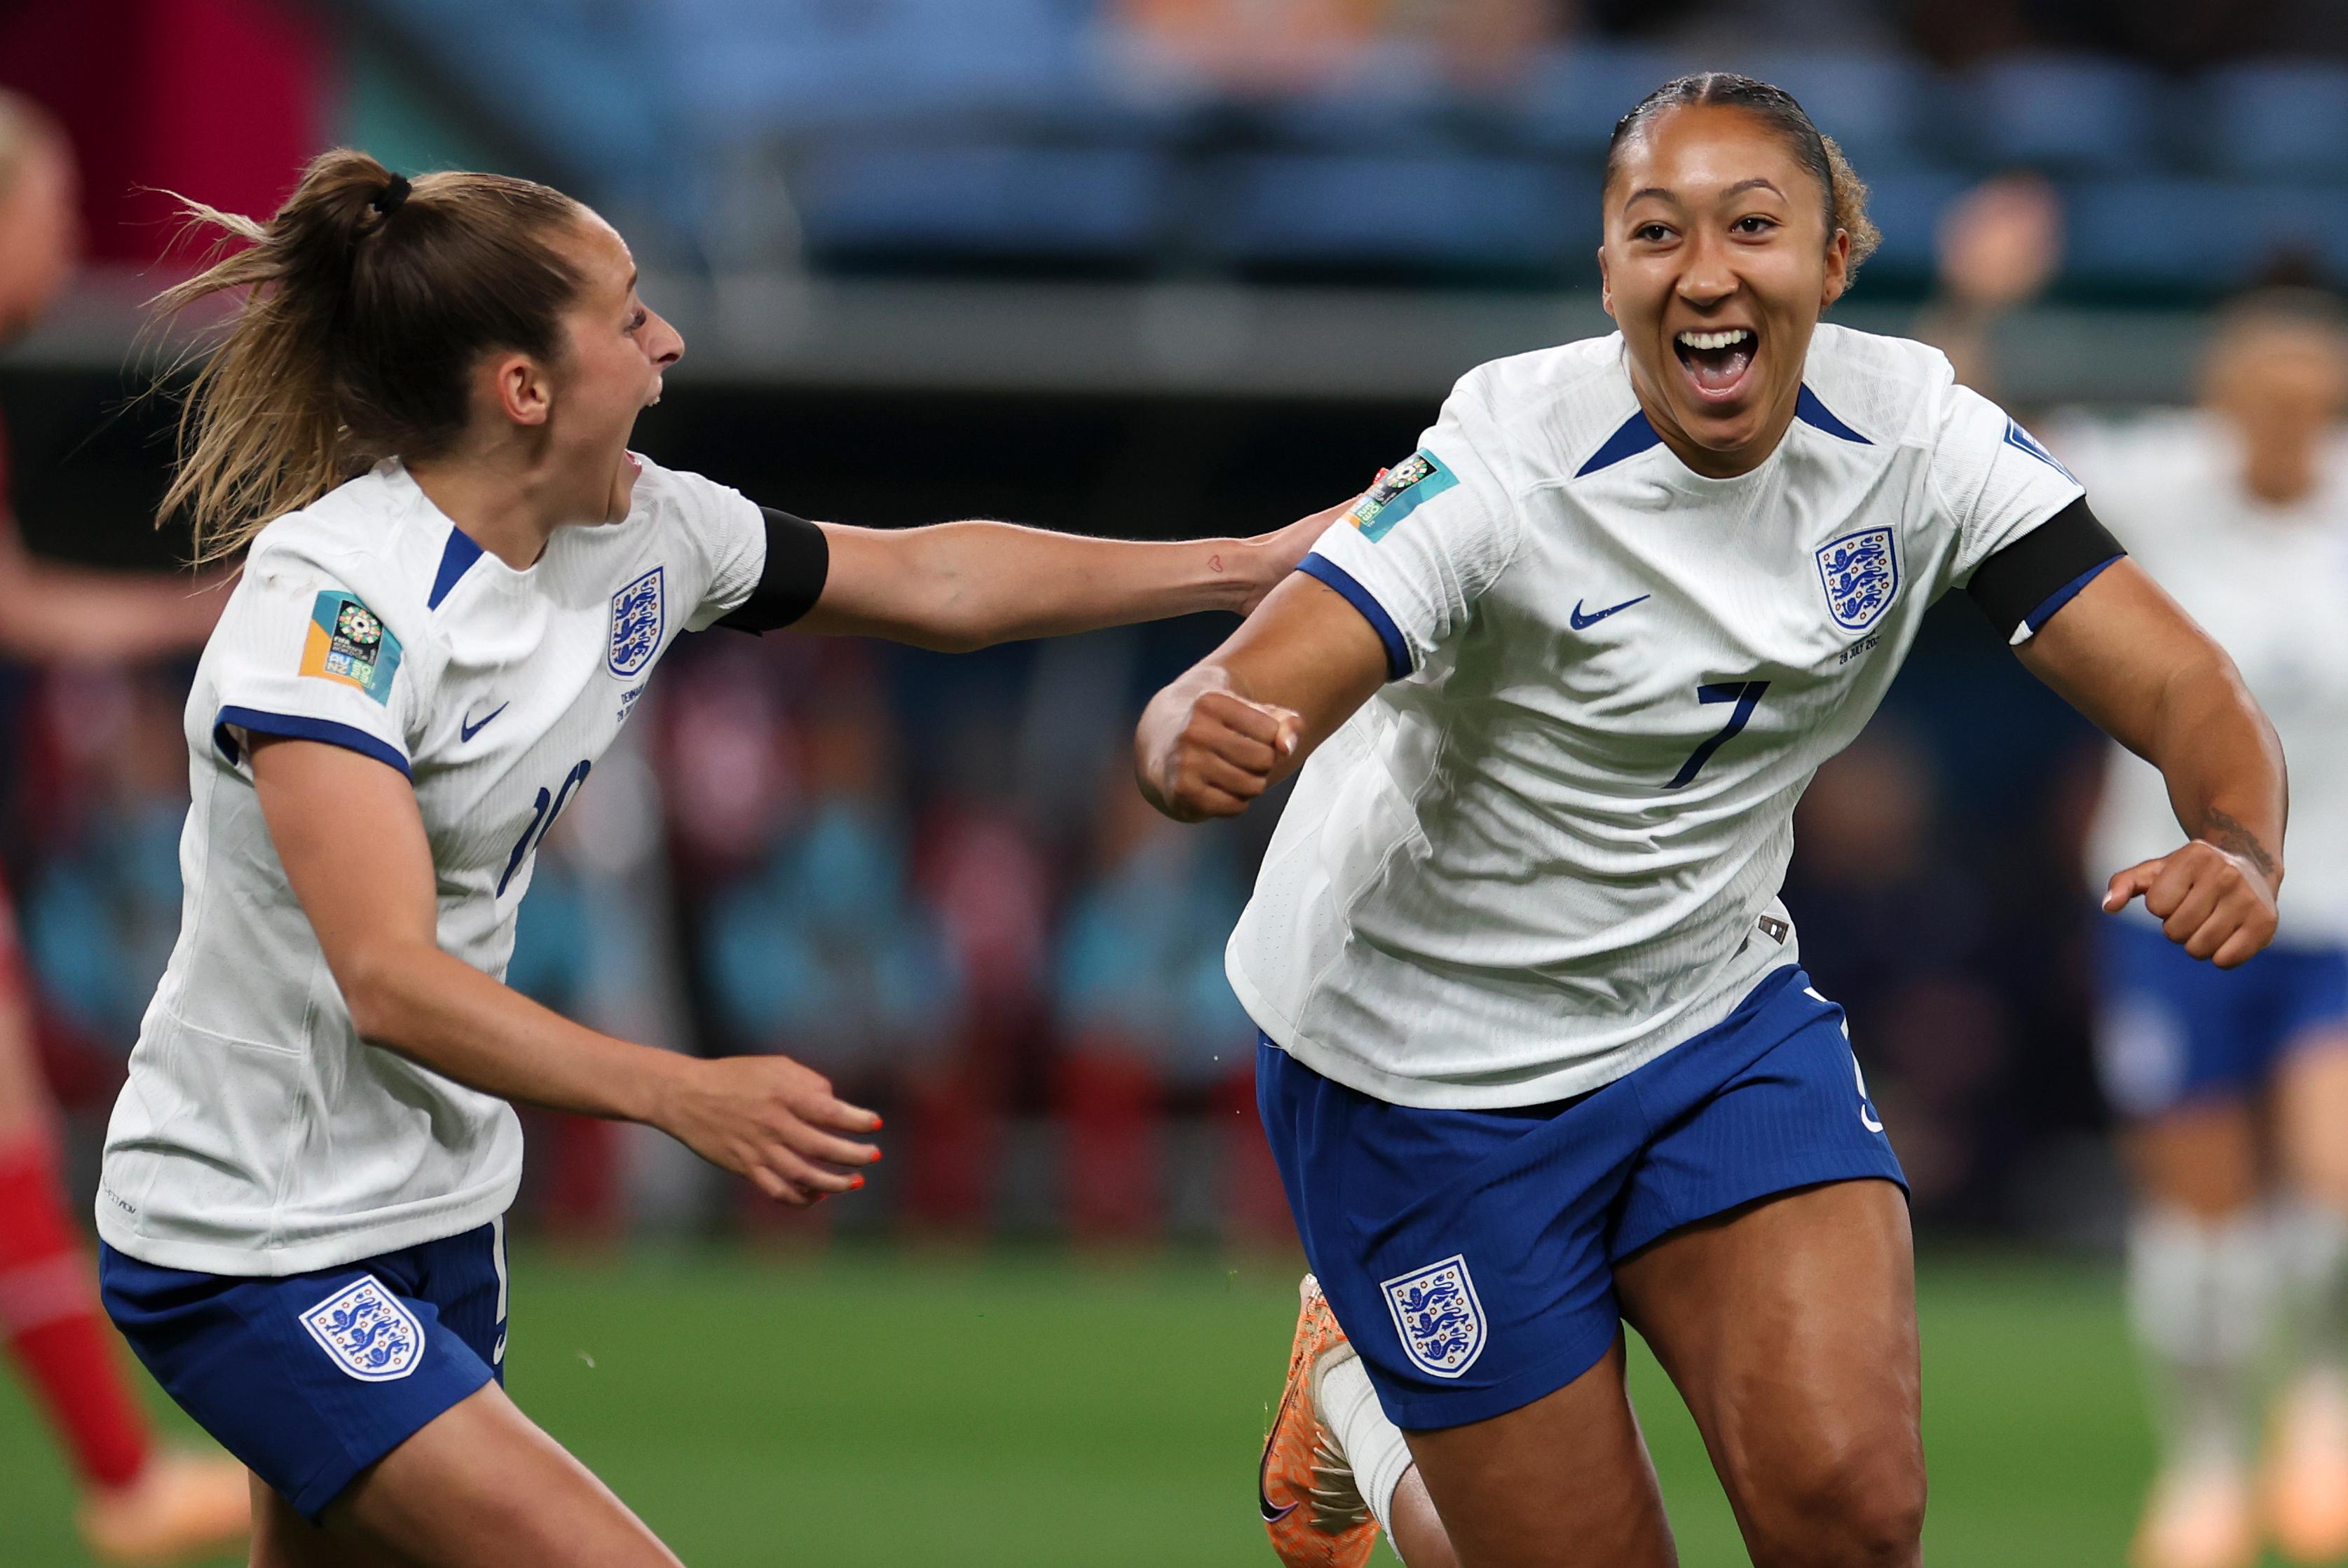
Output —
(1756, 183)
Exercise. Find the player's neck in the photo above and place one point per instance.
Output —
(1717, 462)
(510, 509)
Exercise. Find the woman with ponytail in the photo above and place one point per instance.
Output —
(457, 579)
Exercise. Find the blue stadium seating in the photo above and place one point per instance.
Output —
(2077, 114)
(2278, 119)
(1426, 211)
(1032, 130)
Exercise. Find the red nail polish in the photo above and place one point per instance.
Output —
(857, 1182)
(876, 1124)
(876, 1157)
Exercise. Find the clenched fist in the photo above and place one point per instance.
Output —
(1222, 754)
(2216, 904)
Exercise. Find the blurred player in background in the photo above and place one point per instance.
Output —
(457, 581)
(140, 1504)
(1539, 1055)
(2234, 1087)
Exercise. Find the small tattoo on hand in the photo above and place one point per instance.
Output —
(1214, 563)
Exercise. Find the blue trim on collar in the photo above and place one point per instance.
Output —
(1326, 571)
(1811, 412)
(1633, 436)
(301, 726)
(457, 558)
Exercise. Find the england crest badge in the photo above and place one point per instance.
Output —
(1437, 1315)
(1861, 574)
(367, 1330)
(638, 616)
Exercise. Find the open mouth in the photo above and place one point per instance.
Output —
(1716, 360)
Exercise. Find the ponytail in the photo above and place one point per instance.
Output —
(366, 302)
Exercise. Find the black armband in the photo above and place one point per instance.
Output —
(798, 559)
(2021, 586)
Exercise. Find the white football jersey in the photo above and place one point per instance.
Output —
(2269, 583)
(258, 1134)
(1552, 849)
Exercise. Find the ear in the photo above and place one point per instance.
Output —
(520, 389)
(1838, 268)
(1605, 284)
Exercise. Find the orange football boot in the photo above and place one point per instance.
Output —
(2306, 1479)
(181, 1508)
(1312, 1509)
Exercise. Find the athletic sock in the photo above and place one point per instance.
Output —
(1371, 1444)
(2201, 1293)
(2312, 1254)
(50, 1317)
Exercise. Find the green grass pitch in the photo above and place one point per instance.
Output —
(890, 1411)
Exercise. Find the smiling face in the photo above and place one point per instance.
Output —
(1717, 261)
(618, 351)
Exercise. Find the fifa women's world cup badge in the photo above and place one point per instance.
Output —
(1861, 574)
(348, 641)
(1437, 1315)
(637, 614)
(370, 1334)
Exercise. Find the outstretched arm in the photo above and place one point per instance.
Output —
(1252, 712)
(766, 1118)
(962, 585)
(49, 612)
(2124, 653)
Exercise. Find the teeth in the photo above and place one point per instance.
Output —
(1728, 339)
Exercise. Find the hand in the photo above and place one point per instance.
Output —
(2219, 903)
(770, 1119)
(1272, 556)
(1221, 757)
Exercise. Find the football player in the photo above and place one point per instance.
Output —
(1539, 1055)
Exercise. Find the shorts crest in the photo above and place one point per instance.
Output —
(1860, 573)
(638, 614)
(368, 1330)
(1437, 1314)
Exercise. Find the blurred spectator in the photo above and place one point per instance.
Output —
(1247, 45)
(1999, 247)
(1146, 1019)
(102, 914)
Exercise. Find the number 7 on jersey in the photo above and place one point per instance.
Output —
(1746, 696)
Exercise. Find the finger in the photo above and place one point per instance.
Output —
(775, 1187)
(808, 1175)
(1254, 720)
(1198, 802)
(817, 1145)
(2198, 908)
(826, 1110)
(2247, 943)
(2129, 883)
(1213, 772)
(1292, 731)
(2179, 873)
(2212, 934)
(1241, 750)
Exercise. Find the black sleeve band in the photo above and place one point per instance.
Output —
(2037, 574)
(798, 559)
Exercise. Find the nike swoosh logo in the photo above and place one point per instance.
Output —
(467, 731)
(1263, 1503)
(1583, 622)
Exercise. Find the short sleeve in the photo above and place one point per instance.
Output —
(1425, 543)
(301, 652)
(1996, 480)
(727, 534)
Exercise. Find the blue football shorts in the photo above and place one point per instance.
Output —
(312, 1378)
(2171, 1030)
(1469, 1255)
